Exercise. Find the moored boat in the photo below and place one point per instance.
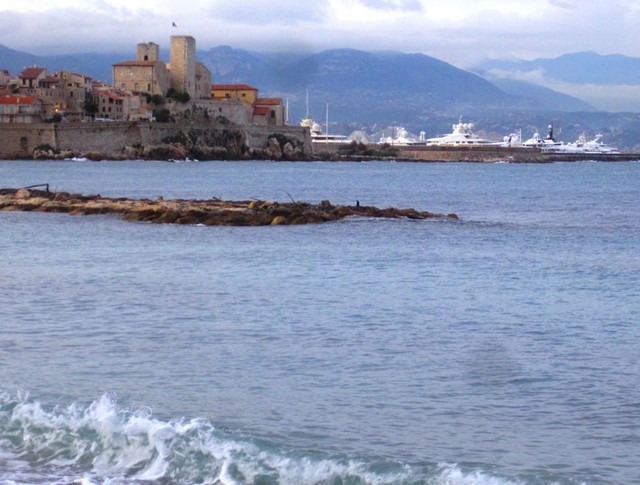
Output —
(462, 135)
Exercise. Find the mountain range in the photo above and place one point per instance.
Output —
(371, 90)
(575, 68)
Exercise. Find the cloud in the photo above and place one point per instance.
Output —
(457, 31)
(562, 4)
(404, 5)
(536, 76)
(605, 98)
(290, 12)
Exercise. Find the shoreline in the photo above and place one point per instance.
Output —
(213, 212)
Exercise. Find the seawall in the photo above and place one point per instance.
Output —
(124, 139)
(477, 154)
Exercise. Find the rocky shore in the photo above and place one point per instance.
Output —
(214, 212)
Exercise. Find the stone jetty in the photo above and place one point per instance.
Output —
(214, 212)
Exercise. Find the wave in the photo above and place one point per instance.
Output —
(100, 443)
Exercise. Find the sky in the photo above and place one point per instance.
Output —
(461, 32)
(457, 31)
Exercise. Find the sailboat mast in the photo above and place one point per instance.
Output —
(327, 123)
(307, 116)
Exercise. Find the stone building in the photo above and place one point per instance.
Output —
(182, 64)
(20, 109)
(268, 112)
(148, 74)
(63, 93)
(265, 111)
(30, 77)
(241, 92)
(142, 75)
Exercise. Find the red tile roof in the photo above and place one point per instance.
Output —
(50, 79)
(260, 111)
(268, 102)
(32, 72)
(18, 99)
(233, 87)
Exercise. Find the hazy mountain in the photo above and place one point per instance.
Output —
(576, 68)
(383, 87)
(371, 90)
(98, 66)
(537, 96)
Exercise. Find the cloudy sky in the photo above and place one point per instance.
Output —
(457, 31)
(461, 32)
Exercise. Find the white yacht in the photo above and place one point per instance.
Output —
(595, 145)
(317, 135)
(512, 140)
(462, 135)
(402, 138)
(549, 143)
(582, 145)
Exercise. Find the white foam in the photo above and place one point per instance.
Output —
(113, 446)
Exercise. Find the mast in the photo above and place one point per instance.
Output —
(327, 123)
(307, 116)
(286, 112)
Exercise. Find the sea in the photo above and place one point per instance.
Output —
(502, 348)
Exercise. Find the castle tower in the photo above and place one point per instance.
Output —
(183, 64)
(148, 52)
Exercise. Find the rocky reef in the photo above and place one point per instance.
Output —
(214, 212)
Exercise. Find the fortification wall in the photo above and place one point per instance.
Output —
(115, 139)
(18, 140)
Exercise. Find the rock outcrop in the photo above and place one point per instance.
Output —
(214, 212)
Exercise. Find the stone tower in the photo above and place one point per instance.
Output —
(183, 64)
(148, 52)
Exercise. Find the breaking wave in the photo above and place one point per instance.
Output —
(101, 443)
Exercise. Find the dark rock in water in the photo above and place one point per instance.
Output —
(212, 212)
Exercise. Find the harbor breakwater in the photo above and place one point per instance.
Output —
(122, 140)
(476, 154)
(213, 212)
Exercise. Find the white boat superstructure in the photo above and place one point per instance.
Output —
(546, 144)
(461, 135)
(402, 137)
(582, 145)
(512, 140)
(317, 135)
(595, 145)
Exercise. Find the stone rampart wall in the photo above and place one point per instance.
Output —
(18, 140)
(111, 138)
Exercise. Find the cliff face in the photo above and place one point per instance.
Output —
(144, 140)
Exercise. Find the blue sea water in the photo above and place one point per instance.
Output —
(503, 348)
